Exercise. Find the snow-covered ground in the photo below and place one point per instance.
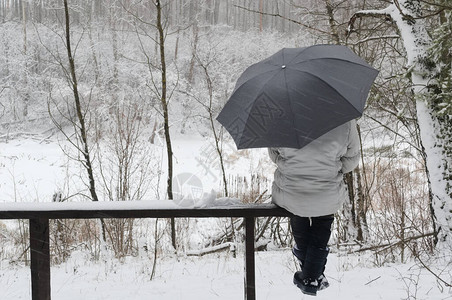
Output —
(220, 276)
(32, 170)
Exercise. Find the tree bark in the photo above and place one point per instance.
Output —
(164, 102)
(81, 118)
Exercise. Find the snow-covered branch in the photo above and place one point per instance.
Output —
(373, 38)
(380, 13)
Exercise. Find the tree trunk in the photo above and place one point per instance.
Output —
(416, 41)
(191, 70)
(80, 115)
(216, 12)
(27, 94)
(361, 219)
(164, 102)
(217, 138)
(261, 8)
(332, 22)
(434, 130)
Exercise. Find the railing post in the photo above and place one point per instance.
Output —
(40, 259)
(250, 277)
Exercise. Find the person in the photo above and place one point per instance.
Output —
(309, 183)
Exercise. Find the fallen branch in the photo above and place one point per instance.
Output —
(393, 244)
(448, 284)
(369, 282)
(209, 250)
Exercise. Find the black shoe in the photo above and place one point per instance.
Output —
(323, 282)
(307, 286)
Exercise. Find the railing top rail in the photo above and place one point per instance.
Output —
(132, 209)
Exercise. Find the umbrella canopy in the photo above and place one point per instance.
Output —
(297, 95)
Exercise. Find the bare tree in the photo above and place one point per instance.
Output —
(207, 63)
(124, 165)
(80, 114)
(164, 102)
(159, 89)
(79, 125)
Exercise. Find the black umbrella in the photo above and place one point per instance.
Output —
(297, 95)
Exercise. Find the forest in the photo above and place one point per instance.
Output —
(116, 84)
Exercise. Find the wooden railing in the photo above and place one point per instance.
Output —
(39, 215)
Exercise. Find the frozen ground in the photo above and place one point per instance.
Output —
(219, 276)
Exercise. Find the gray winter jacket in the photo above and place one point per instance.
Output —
(309, 181)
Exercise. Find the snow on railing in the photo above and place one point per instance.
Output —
(39, 215)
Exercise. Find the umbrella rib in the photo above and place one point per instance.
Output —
(329, 86)
(254, 75)
(298, 54)
(290, 104)
(264, 62)
(259, 93)
(366, 65)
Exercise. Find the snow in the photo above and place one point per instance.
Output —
(102, 205)
(212, 276)
(220, 276)
(441, 201)
(33, 170)
(207, 202)
(23, 163)
(211, 201)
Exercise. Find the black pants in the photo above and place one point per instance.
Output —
(311, 232)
